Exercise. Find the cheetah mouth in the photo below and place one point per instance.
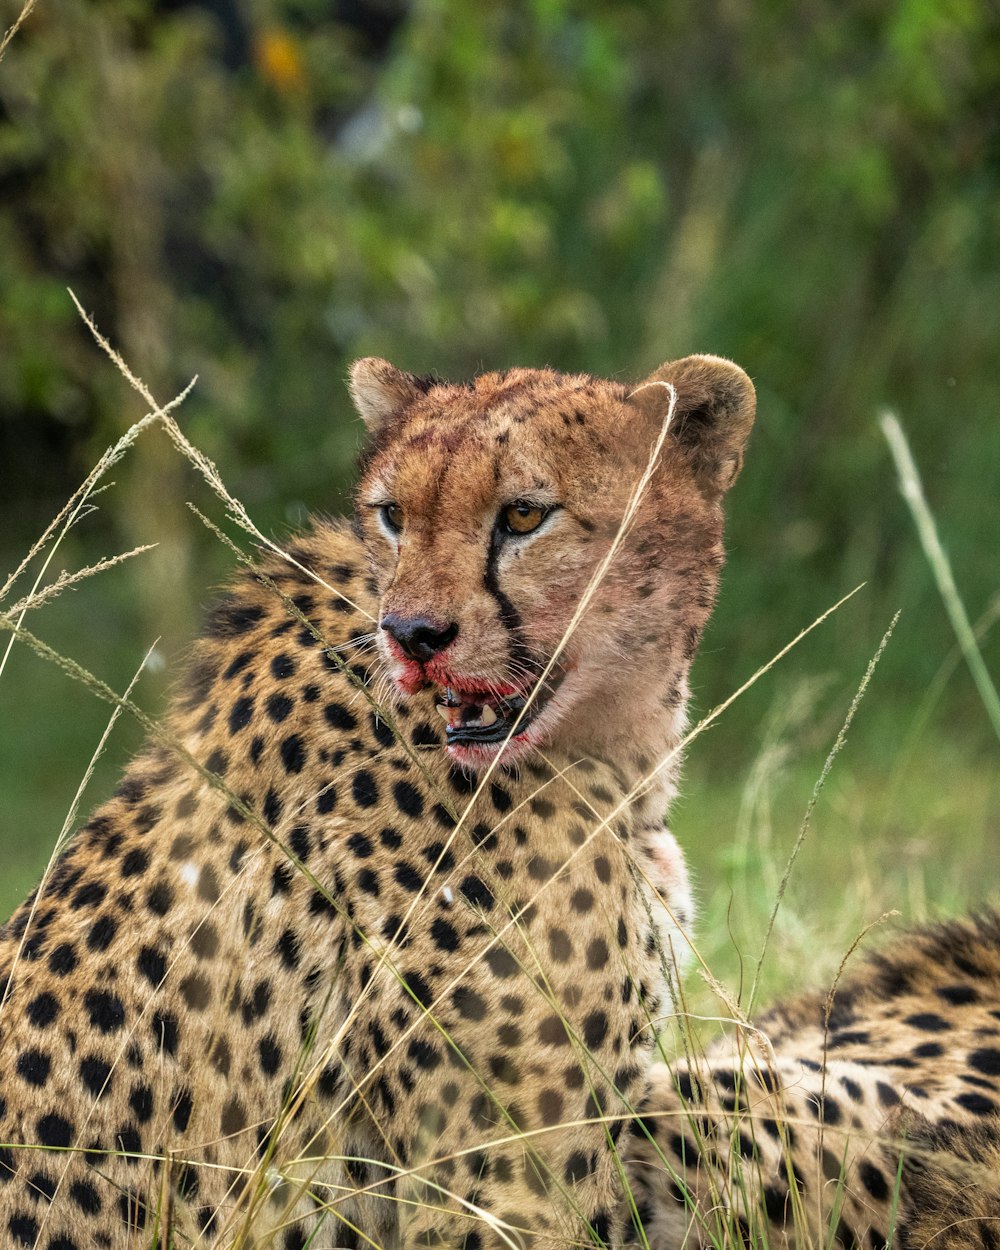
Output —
(478, 717)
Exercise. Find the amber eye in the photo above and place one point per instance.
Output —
(392, 515)
(522, 517)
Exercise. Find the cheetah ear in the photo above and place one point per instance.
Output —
(712, 418)
(381, 392)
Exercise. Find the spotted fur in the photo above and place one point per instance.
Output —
(232, 969)
(305, 980)
(876, 1124)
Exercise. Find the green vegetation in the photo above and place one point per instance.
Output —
(810, 190)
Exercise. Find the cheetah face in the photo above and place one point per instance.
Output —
(493, 517)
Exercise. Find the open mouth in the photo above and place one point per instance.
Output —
(478, 717)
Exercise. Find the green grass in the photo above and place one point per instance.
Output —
(919, 841)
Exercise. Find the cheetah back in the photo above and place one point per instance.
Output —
(883, 1119)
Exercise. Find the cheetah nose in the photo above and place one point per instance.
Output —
(418, 637)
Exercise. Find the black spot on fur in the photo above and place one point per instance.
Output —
(62, 960)
(135, 862)
(444, 935)
(23, 1229)
(381, 732)
(279, 707)
(978, 1104)
(237, 665)
(151, 965)
(927, 1021)
(183, 1106)
(423, 1054)
(852, 1089)
(364, 789)
(106, 1010)
(165, 1032)
(85, 1196)
(339, 717)
(270, 1055)
(282, 667)
(958, 995)
(141, 1102)
(360, 845)
(54, 1131)
(595, 1029)
(476, 892)
(293, 754)
(986, 1061)
(418, 988)
(102, 933)
(42, 1010)
(218, 763)
(33, 1066)
(408, 799)
(229, 619)
(240, 715)
(89, 895)
(873, 1180)
(273, 807)
(326, 800)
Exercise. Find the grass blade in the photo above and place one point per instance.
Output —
(913, 492)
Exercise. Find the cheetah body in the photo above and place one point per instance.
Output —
(309, 978)
(865, 1119)
(208, 1010)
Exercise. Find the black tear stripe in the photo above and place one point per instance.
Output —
(509, 615)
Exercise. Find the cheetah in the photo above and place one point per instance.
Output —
(865, 1120)
(362, 950)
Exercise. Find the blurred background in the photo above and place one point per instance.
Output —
(258, 191)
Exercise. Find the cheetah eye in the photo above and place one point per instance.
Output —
(522, 517)
(392, 515)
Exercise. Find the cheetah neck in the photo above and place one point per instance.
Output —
(642, 733)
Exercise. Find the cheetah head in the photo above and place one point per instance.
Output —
(493, 513)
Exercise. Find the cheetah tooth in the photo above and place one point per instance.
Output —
(463, 714)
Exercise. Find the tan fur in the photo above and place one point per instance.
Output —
(294, 981)
(451, 457)
(186, 992)
(886, 1118)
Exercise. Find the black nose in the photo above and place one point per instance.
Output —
(418, 637)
